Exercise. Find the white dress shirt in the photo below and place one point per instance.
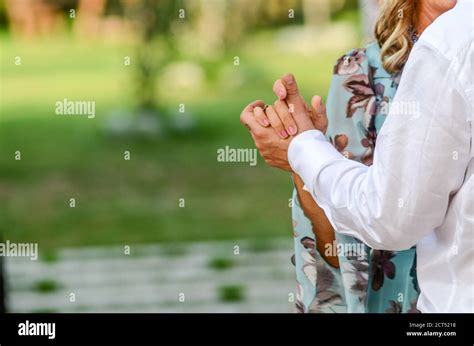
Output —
(420, 188)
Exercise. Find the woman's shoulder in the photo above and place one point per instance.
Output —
(373, 56)
(358, 60)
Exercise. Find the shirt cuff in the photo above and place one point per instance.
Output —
(308, 153)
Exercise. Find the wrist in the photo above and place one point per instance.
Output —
(308, 152)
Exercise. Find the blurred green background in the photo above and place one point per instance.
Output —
(174, 62)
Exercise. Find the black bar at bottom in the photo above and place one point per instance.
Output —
(292, 329)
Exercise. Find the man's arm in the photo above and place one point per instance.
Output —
(419, 161)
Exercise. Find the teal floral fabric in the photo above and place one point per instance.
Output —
(367, 280)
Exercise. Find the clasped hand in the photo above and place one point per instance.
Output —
(273, 127)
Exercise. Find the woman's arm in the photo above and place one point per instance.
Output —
(322, 229)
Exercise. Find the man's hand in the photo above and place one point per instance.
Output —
(284, 88)
(282, 115)
(272, 148)
(290, 116)
(297, 105)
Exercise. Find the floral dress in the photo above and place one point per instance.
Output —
(367, 280)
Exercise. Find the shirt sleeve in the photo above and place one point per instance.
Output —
(419, 163)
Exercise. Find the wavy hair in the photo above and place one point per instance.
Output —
(393, 31)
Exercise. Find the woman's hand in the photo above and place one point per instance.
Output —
(273, 142)
(317, 112)
(272, 148)
(280, 115)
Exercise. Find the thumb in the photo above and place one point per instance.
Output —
(289, 82)
(320, 118)
(279, 89)
(295, 101)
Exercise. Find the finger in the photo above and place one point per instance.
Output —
(318, 105)
(285, 116)
(320, 115)
(276, 122)
(261, 117)
(279, 89)
(247, 118)
(293, 98)
(250, 107)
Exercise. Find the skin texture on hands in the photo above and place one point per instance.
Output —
(291, 115)
(297, 105)
(317, 112)
(272, 148)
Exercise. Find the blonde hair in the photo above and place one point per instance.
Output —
(393, 31)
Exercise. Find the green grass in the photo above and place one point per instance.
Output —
(260, 245)
(234, 293)
(221, 263)
(136, 201)
(50, 256)
(46, 286)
